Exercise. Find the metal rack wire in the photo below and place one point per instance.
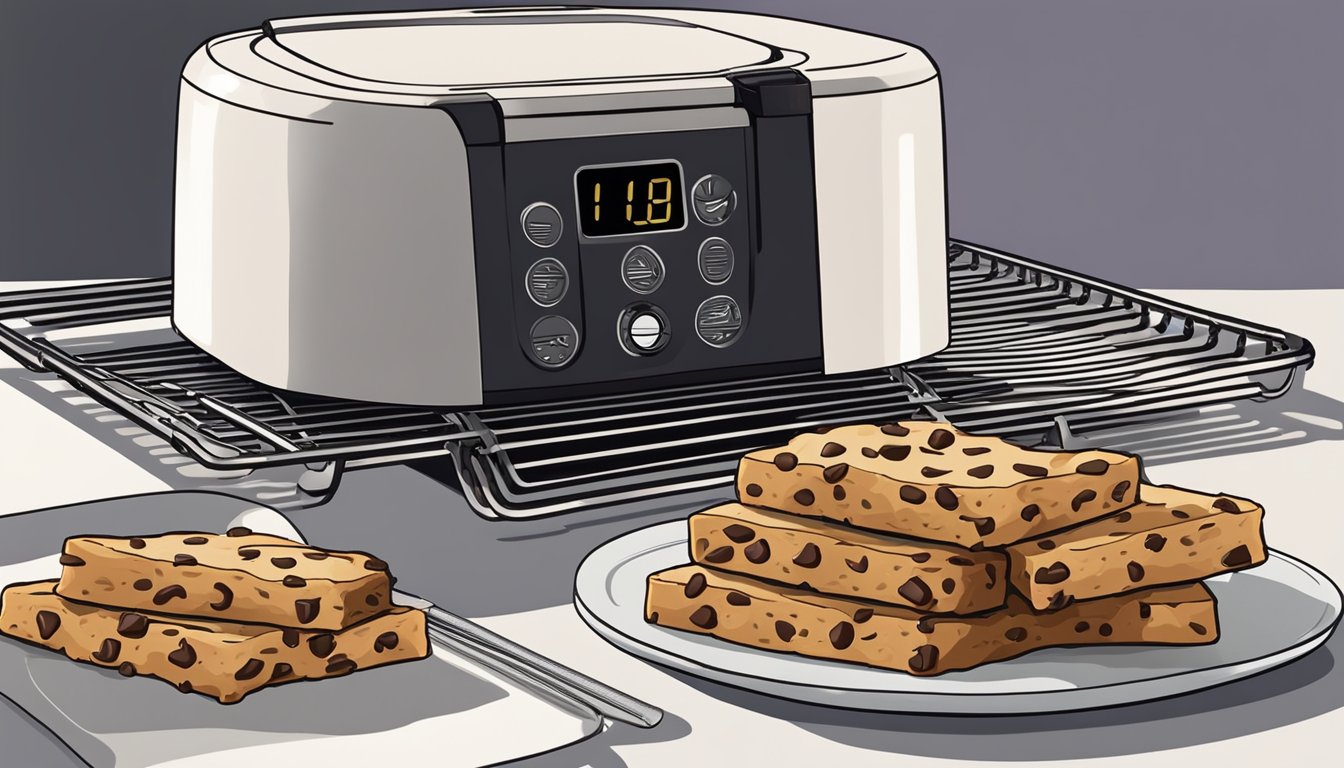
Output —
(1034, 349)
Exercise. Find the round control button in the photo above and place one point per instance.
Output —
(542, 224)
(547, 282)
(642, 270)
(643, 329)
(554, 342)
(719, 321)
(713, 199)
(716, 260)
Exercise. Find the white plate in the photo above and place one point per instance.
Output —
(444, 710)
(1269, 616)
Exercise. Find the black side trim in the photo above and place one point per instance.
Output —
(480, 120)
(773, 93)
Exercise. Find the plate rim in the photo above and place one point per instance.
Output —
(1315, 637)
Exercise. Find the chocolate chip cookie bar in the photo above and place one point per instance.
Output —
(223, 660)
(848, 562)
(750, 612)
(1172, 535)
(933, 481)
(240, 576)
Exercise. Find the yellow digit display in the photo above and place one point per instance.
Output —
(653, 199)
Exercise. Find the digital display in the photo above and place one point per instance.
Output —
(630, 199)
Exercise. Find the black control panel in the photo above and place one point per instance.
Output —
(616, 263)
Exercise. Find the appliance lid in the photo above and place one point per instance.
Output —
(522, 50)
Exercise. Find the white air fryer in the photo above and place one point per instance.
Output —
(512, 205)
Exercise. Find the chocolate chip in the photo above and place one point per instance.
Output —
(865, 504)
(132, 625)
(1058, 601)
(374, 564)
(195, 540)
(835, 473)
(1199, 628)
(1154, 542)
(371, 599)
(982, 471)
(705, 617)
(695, 585)
(168, 593)
(237, 531)
(894, 452)
(810, 557)
(1135, 571)
(831, 450)
(862, 615)
(916, 591)
(1119, 491)
(143, 585)
(785, 630)
(719, 555)
(924, 625)
(949, 586)
(1081, 626)
(170, 632)
(754, 490)
(925, 658)
(1082, 498)
(838, 493)
(283, 562)
(180, 559)
(1104, 630)
(225, 597)
(1031, 470)
(921, 557)
(757, 552)
(959, 560)
(1145, 610)
(280, 670)
(1046, 544)
(386, 642)
(1237, 557)
(941, 439)
(294, 581)
(869, 637)
(1016, 634)
(869, 452)
(307, 610)
(249, 554)
(136, 542)
(804, 497)
(912, 495)
(933, 471)
(858, 566)
(1187, 541)
(1206, 526)
(290, 637)
(895, 430)
(184, 687)
(108, 651)
(322, 645)
(249, 670)
(1056, 573)
(184, 656)
(72, 561)
(983, 525)
(1226, 505)
(738, 533)
(1030, 512)
(1123, 517)
(991, 573)
(947, 499)
(823, 429)
(1180, 515)
(785, 462)
(126, 669)
(1093, 467)
(737, 598)
(340, 665)
(842, 635)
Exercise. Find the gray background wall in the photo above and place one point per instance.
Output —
(1174, 144)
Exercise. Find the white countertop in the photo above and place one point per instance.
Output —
(1295, 712)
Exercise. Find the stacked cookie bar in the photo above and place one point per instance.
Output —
(220, 615)
(918, 547)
